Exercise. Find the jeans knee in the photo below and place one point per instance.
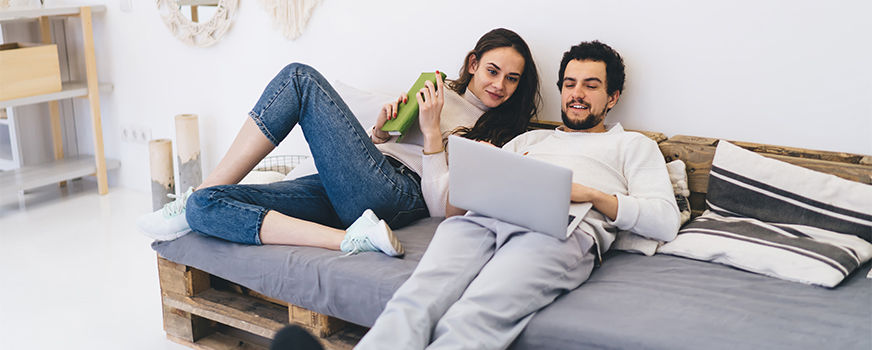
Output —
(297, 68)
(196, 207)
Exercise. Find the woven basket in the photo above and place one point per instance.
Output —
(282, 164)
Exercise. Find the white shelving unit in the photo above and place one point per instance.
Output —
(68, 90)
(61, 169)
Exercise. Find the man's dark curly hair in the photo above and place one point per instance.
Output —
(599, 52)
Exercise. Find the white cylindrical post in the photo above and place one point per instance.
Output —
(188, 148)
(160, 154)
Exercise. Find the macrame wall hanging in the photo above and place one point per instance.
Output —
(197, 34)
(290, 15)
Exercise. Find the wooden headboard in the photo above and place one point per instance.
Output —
(548, 125)
(698, 152)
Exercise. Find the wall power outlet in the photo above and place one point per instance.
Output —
(135, 133)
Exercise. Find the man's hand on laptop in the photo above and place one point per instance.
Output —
(604, 203)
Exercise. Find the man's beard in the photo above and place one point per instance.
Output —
(592, 119)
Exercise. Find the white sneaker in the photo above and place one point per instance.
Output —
(369, 234)
(169, 222)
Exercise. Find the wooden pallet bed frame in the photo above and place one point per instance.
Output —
(206, 312)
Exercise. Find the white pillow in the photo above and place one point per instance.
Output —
(305, 168)
(365, 106)
(261, 177)
(791, 252)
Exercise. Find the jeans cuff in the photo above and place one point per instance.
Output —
(263, 129)
(259, 226)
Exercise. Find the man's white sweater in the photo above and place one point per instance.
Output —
(627, 165)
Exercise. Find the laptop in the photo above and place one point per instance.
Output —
(513, 188)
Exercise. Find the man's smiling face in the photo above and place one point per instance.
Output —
(584, 96)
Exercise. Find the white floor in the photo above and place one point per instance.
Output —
(75, 273)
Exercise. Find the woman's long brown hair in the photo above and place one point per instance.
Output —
(502, 123)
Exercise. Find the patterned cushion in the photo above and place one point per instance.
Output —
(678, 176)
(780, 220)
(745, 184)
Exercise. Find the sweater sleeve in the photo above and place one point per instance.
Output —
(434, 183)
(649, 208)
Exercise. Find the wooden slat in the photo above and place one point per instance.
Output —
(239, 311)
(94, 97)
(543, 124)
(255, 294)
(262, 318)
(697, 204)
(840, 157)
(217, 341)
(698, 153)
(188, 289)
(656, 136)
(698, 158)
(321, 325)
(181, 279)
(343, 340)
(223, 284)
(184, 325)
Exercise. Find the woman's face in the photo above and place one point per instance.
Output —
(495, 76)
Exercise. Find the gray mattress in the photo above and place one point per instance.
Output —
(631, 301)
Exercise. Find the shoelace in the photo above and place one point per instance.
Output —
(175, 207)
(360, 244)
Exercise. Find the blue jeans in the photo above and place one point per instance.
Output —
(353, 175)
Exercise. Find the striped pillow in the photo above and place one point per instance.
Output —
(745, 184)
(779, 220)
(792, 252)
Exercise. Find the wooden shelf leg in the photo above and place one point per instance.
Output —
(94, 98)
(54, 111)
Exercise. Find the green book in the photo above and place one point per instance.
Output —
(407, 113)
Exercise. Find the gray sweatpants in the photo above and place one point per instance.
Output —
(478, 284)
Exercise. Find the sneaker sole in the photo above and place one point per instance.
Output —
(389, 244)
(169, 237)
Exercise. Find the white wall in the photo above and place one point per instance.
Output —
(792, 73)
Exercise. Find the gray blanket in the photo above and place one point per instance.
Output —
(632, 301)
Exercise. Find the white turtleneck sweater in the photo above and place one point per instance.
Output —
(627, 165)
(457, 111)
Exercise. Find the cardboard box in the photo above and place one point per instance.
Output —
(28, 70)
